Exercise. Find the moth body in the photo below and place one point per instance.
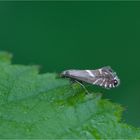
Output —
(104, 77)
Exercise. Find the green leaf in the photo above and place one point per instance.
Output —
(34, 105)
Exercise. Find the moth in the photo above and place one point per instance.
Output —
(104, 77)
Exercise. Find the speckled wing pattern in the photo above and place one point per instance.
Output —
(104, 77)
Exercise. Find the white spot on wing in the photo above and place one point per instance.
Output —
(96, 81)
(90, 73)
(106, 85)
(106, 73)
(100, 71)
(102, 82)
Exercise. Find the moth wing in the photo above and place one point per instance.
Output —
(78, 74)
(88, 76)
(102, 77)
(107, 69)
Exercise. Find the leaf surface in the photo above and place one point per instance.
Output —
(34, 105)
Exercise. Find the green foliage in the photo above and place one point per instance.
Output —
(34, 105)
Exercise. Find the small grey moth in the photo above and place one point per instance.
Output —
(103, 77)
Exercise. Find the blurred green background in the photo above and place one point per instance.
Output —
(78, 35)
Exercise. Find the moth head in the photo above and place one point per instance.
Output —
(111, 77)
(115, 82)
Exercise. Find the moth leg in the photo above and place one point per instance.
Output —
(82, 86)
(80, 83)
